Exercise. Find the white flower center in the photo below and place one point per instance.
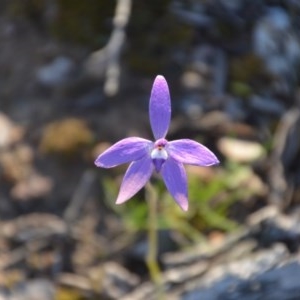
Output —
(159, 153)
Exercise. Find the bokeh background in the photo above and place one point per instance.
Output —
(76, 76)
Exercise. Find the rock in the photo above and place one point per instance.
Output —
(195, 15)
(207, 71)
(277, 43)
(56, 72)
(66, 137)
(192, 106)
(33, 226)
(294, 5)
(274, 284)
(10, 132)
(239, 267)
(234, 109)
(118, 281)
(17, 163)
(38, 289)
(240, 150)
(74, 281)
(192, 80)
(110, 279)
(32, 187)
(271, 227)
(267, 106)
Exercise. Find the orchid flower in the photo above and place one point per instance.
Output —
(163, 156)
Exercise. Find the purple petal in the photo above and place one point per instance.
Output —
(190, 152)
(174, 176)
(124, 151)
(160, 107)
(135, 178)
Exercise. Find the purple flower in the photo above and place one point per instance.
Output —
(162, 156)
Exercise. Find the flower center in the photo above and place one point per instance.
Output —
(159, 154)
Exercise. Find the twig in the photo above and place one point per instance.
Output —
(107, 60)
(286, 145)
(79, 197)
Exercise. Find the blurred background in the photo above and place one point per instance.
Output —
(76, 76)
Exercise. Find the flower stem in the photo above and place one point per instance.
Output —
(151, 259)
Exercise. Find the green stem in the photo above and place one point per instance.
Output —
(151, 259)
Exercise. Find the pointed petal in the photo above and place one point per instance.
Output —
(174, 176)
(160, 107)
(124, 151)
(135, 178)
(190, 152)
